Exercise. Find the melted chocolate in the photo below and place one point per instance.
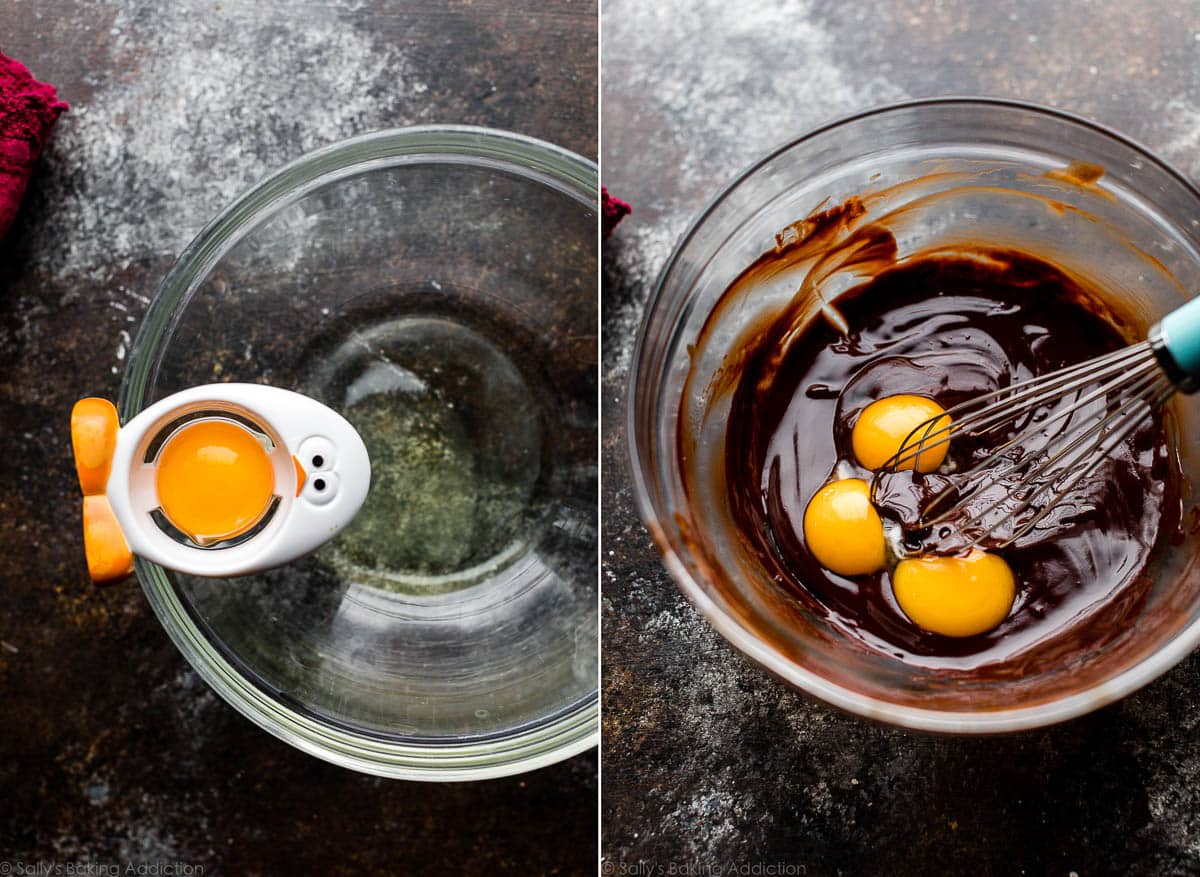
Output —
(947, 326)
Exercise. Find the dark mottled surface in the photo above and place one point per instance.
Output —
(113, 751)
(708, 761)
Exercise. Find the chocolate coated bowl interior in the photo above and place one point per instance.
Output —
(935, 175)
(950, 327)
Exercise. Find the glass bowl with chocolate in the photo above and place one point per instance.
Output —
(847, 287)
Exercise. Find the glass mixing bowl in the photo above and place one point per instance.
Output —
(942, 172)
(437, 287)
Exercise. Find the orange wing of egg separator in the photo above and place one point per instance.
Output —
(94, 425)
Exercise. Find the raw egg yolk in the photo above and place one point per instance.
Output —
(843, 530)
(214, 480)
(884, 425)
(955, 596)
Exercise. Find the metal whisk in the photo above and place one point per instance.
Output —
(1057, 429)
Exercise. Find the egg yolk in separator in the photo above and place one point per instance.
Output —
(214, 480)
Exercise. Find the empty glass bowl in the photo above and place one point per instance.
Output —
(941, 172)
(437, 287)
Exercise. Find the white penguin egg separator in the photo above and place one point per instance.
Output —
(217, 480)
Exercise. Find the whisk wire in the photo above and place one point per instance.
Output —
(1146, 377)
(1128, 425)
(975, 416)
(1112, 394)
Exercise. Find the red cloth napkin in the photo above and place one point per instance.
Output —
(612, 211)
(28, 110)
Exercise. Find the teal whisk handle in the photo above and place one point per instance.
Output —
(1178, 335)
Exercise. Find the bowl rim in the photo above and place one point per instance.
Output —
(915, 718)
(576, 727)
